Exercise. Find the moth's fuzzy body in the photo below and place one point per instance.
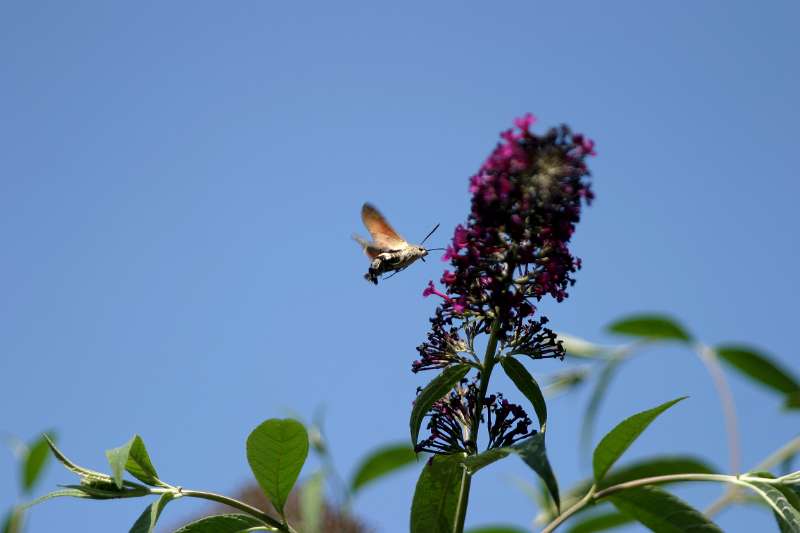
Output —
(394, 261)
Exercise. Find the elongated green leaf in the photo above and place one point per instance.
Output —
(780, 503)
(139, 464)
(147, 520)
(497, 529)
(224, 523)
(650, 326)
(792, 400)
(531, 451)
(61, 493)
(100, 490)
(662, 512)
(433, 392)
(759, 368)
(527, 386)
(381, 462)
(311, 503)
(600, 522)
(614, 444)
(84, 473)
(595, 400)
(578, 347)
(34, 462)
(440, 491)
(12, 523)
(276, 451)
(565, 381)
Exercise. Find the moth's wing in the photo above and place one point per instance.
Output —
(370, 249)
(382, 232)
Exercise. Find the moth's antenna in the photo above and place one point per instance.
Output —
(429, 234)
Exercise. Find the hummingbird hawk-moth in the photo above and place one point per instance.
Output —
(388, 251)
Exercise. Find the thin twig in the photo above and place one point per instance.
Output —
(787, 450)
(592, 496)
(709, 358)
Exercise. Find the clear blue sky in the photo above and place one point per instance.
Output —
(179, 182)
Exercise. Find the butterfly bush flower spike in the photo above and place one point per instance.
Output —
(512, 252)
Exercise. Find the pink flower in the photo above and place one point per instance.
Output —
(525, 122)
(430, 289)
(585, 145)
(460, 237)
(448, 277)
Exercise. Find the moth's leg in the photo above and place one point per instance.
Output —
(395, 272)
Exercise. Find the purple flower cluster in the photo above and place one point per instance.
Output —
(526, 200)
(451, 421)
(512, 252)
(443, 347)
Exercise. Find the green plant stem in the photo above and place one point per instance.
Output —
(593, 495)
(230, 502)
(709, 358)
(560, 519)
(463, 501)
(486, 373)
(787, 450)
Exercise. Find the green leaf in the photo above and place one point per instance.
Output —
(527, 386)
(312, 502)
(531, 451)
(600, 522)
(650, 326)
(107, 491)
(12, 523)
(433, 392)
(440, 490)
(132, 456)
(276, 451)
(117, 459)
(139, 464)
(497, 529)
(792, 400)
(381, 462)
(224, 523)
(484, 459)
(84, 473)
(61, 493)
(780, 503)
(577, 347)
(147, 520)
(34, 462)
(566, 381)
(662, 512)
(759, 368)
(595, 400)
(614, 444)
